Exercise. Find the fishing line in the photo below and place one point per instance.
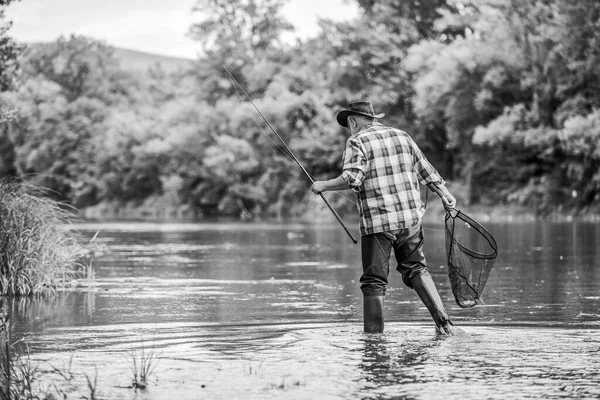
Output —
(295, 159)
(277, 145)
(257, 124)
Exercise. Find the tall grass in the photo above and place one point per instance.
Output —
(20, 379)
(17, 373)
(38, 251)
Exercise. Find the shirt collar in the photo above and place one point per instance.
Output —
(370, 125)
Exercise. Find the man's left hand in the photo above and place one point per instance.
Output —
(449, 202)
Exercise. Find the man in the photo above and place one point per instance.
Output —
(384, 167)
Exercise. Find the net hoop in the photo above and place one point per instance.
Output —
(479, 228)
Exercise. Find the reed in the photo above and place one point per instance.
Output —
(38, 251)
(143, 364)
(20, 378)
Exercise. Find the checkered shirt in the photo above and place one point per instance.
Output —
(384, 167)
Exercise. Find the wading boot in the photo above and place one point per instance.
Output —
(425, 288)
(373, 313)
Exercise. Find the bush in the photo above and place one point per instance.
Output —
(38, 251)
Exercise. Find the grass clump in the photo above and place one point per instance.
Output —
(38, 251)
(143, 364)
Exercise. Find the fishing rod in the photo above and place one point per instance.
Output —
(293, 156)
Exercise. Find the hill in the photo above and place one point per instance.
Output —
(133, 60)
(139, 61)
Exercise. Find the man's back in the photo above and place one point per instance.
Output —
(384, 166)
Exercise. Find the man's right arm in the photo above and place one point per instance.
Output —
(353, 174)
(332, 184)
(354, 165)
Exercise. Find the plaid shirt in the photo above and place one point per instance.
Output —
(384, 167)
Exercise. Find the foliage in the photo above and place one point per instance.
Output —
(9, 65)
(503, 97)
(9, 51)
(237, 34)
(550, 166)
(39, 253)
(527, 61)
(82, 67)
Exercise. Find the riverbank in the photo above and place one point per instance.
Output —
(154, 210)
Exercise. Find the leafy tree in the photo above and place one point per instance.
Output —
(9, 68)
(9, 51)
(61, 109)
(420, 15)
(81, 66)
(540, 135)
(236, 34)
(372, 49)
(51, 136)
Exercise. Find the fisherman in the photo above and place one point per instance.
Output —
(384, 167)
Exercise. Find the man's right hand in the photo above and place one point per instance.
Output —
(318, 187)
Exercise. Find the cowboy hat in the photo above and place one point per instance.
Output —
(364, 108)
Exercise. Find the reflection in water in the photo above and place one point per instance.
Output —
(390, 362)
(31, 314)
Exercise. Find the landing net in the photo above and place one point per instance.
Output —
(471, 251)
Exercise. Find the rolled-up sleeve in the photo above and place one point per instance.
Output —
(355, 164)
(425, 171)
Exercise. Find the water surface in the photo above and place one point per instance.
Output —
(271, 310)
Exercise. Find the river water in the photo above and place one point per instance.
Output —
(274, 311)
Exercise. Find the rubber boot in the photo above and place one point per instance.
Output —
(373, 313)
(425, 288)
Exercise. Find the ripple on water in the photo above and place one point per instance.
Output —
(337, 361)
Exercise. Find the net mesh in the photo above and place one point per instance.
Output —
(471, 251)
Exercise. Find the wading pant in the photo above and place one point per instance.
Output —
(376, 250)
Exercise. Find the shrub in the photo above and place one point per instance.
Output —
(38, 251)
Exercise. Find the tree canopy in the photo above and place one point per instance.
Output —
(9, 66)
(503, 96)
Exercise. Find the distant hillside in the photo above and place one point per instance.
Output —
(137, 61)
(133, 60)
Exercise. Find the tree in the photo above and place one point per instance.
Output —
(9, 65)
(467, 83)
(421, 15)
(82, 66)
(61, 109)
(547, 134)
(237, 34)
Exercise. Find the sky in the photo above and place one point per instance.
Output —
(154, 26)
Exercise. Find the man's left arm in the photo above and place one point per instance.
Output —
(429, 176)
(440, 189)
